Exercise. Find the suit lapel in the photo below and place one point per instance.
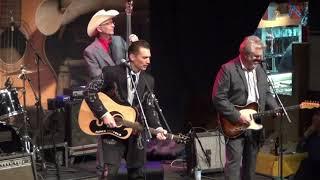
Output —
(241, 73)
(123, 83)
(259, 80)
(104, 56)
(141, 85)
(118, 49)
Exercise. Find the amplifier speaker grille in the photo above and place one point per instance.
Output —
(214, 146)
(17, 167)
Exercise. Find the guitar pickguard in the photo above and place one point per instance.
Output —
(98, 129)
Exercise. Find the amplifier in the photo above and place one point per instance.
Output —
(75, 92)
(17, 167)
(206, 152)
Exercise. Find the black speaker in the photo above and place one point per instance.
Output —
(74, 135)
(314, 16)
(17, 167)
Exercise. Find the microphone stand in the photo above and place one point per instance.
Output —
(193, 165)
(156, 102)
(144, 119)
(38, 102)
(283, 111)
(26, 138)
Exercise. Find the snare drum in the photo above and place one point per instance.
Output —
(9, 103)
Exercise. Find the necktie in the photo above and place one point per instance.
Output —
(134, 79)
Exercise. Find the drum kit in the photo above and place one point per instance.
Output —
(14, 123)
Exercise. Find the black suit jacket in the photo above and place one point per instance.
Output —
(113, 82)
(230, 88)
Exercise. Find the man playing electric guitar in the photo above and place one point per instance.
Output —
(117, 84)
(242, 81)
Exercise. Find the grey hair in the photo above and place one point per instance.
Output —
(250, 42)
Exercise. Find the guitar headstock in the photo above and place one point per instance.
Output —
(182, 139)
(309, 105)
(129, 7)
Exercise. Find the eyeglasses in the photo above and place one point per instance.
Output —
(107, 23)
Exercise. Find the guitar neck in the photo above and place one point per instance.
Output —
(272, 112)
(129, 7)
(129, 30)
(139, 127)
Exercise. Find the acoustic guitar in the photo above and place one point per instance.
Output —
(124, 116)
(235, 129)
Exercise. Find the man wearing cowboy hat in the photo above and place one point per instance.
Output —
(107, 49)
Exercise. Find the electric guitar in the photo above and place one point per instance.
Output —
(124, 116)
(233, 130)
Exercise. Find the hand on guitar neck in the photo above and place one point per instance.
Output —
(162, 134)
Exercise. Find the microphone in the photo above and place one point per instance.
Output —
(126, 63)
(263, 62)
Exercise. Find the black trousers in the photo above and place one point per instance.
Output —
(241, 155)
(112, 150)
(308, 169)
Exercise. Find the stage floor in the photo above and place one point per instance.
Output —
(85, 168)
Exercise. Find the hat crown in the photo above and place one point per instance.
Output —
(103, 12)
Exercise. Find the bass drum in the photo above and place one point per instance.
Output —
(10, 141)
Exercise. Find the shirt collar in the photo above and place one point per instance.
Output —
(134, 73)
(105, 43)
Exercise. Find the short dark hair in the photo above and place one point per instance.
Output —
(135, 46)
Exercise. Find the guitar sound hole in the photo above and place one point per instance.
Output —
(118, 118)
(12, 45)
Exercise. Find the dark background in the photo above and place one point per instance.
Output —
(190, 41)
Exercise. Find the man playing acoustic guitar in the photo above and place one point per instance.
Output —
(242, 81)
(115, 82)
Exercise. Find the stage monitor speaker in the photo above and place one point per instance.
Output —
(74, 135)
(214, 147)
(17, 167)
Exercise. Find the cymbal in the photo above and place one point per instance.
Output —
(25, 71)
(18, 88)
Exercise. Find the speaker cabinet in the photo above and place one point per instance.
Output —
(74, 135)
(17, 167)
(207, 152)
